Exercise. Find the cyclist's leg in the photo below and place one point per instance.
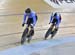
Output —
(31, 33)
(52, 28)
(32, 28)
(54, 32)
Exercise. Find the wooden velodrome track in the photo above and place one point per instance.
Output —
(11, 17)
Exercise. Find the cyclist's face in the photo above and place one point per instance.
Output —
(28, 13)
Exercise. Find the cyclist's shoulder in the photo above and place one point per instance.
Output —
(58, 15)
(33, 12)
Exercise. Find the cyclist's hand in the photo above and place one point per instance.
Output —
(23, 25)
(49, 22)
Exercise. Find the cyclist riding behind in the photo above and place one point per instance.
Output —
(56, 20)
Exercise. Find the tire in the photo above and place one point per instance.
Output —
(48, 33)
(23, 38)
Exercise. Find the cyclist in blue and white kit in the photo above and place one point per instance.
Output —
(30, 19)
(56, 20)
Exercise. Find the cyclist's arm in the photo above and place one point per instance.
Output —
(34, 20)
(60, 19)
(24, 18)
(51, 19)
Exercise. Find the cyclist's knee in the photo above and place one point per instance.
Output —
(32, 27)
(56, 26)
(56, 29)
(32, 32)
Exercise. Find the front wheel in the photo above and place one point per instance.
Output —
(48, 32)
(23, 38)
